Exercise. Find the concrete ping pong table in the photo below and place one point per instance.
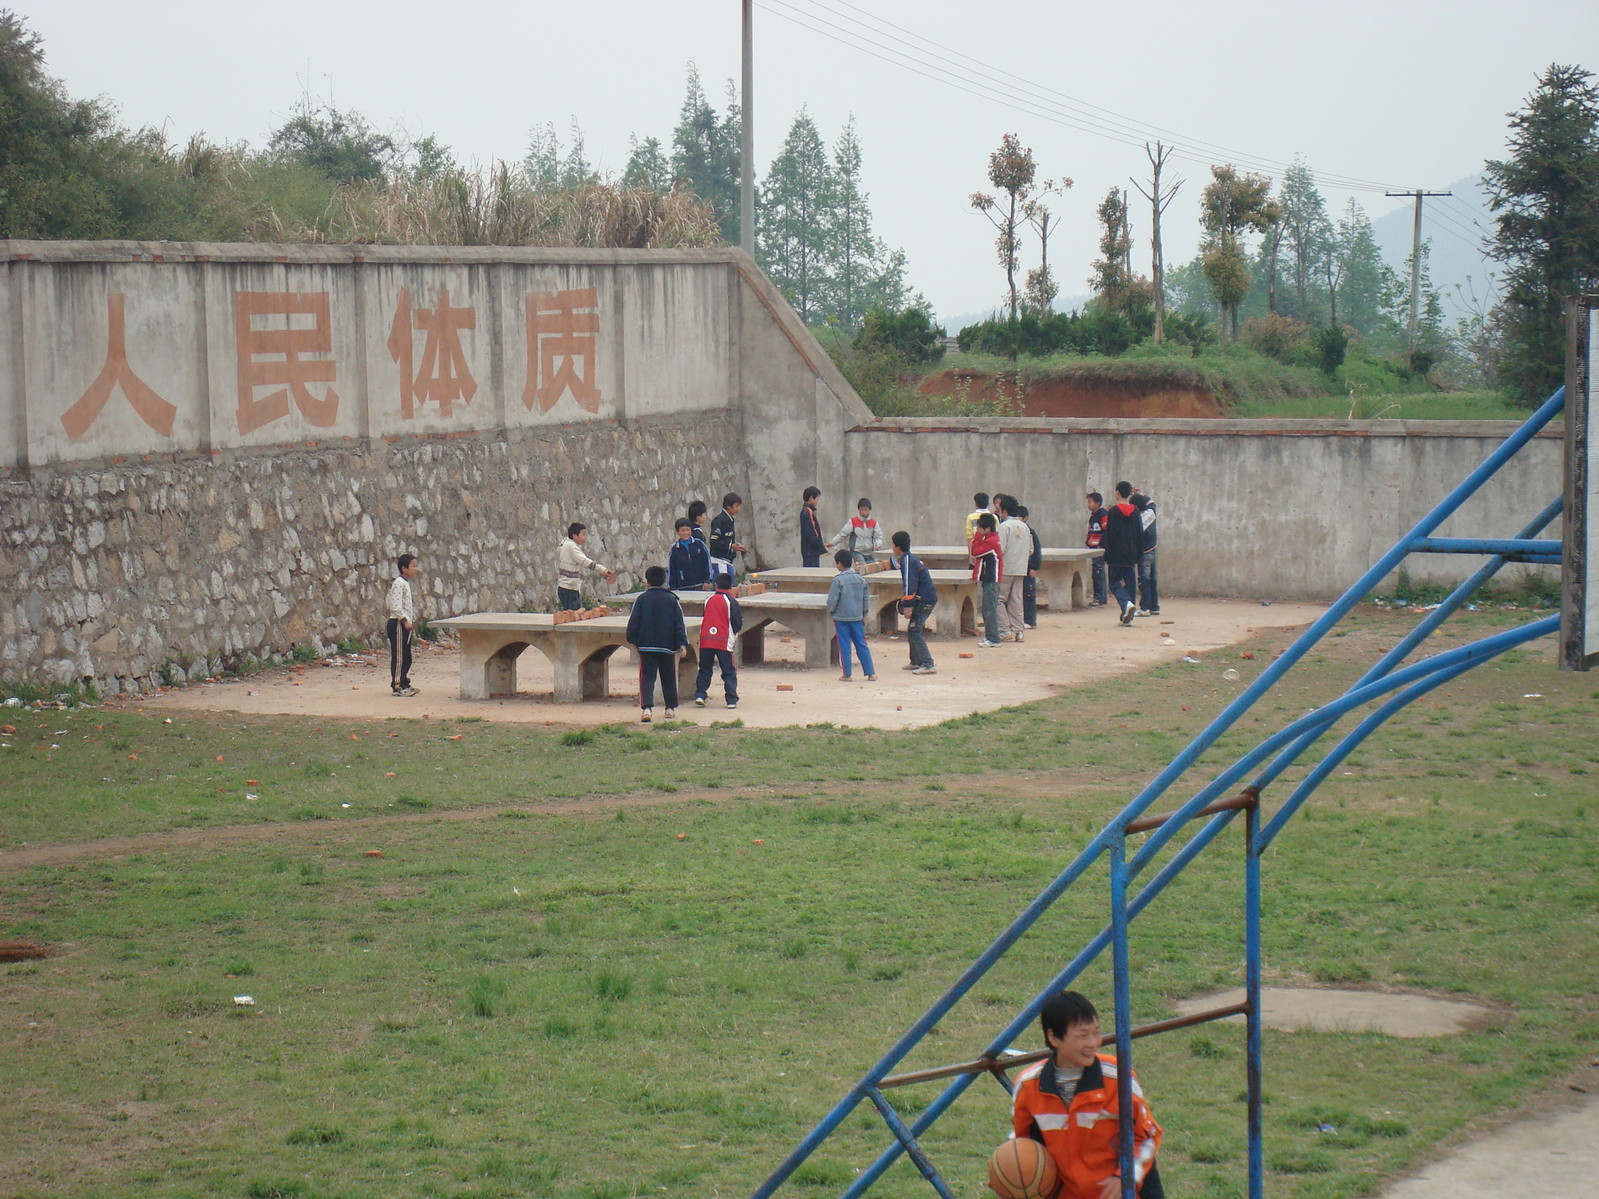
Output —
(1065, 572)
(955, 613)
(580, 651)
(803, 612)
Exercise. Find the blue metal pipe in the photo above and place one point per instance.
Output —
(1374, 721)
(1122, 989)
(957, 1086)
(1424, 629)
(1175, 769)
(1330, 713)
(1252, 1037)
(908, 1140)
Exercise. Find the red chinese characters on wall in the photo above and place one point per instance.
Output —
(562, 338)
(152, 409)
(442, 377)
(285, 342)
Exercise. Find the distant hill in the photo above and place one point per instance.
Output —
(1456, 226)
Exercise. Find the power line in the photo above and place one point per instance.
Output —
(1068, 111)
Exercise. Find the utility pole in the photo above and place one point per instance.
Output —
(746, 152)
(1415, 271)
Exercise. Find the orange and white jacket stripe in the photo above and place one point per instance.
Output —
(1079, 1132)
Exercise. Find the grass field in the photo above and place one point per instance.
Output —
(614, 963)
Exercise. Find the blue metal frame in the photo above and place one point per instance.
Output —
(1401, 686)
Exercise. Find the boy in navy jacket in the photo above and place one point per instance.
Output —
(655, 629)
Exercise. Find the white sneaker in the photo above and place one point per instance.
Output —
(985, 643)
(1017, 637)
(671, 713)
(649, 715)
(1127, 613)
(925, 670)
(1142, 612)
(699, 701)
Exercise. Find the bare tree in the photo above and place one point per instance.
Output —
(1041, 285)
(1011, 169)
(1159, 199)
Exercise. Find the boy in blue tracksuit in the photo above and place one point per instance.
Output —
(846, 604)
(917, 602)
(689, 563)
(655, 629)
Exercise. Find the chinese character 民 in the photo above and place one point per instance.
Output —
(116, 372)
(561, 341)
(277, 356)
(443, 376)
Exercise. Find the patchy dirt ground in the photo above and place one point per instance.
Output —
(1074, 397)
(1068, 648)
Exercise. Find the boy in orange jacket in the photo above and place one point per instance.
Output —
(1070, 1104)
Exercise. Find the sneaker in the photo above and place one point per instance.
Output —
(648, 716)
(911, 666)
(925, 670)
(1016, 637)
(871, 678)
(1127, 613)
(407, 692)
(1141, 612)
(1034, 625)
(844, 678)
(671, 713)
(985, 643)
(732, 703)
(699, 701)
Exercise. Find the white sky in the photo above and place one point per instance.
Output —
(1397, 93)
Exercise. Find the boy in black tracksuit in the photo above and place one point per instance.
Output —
(656, 630)
(812, 544)
(1124, 546)
(724, 543)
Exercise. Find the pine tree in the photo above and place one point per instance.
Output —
(1546, 195)
(1232, 205)
(706, 152)
(798, 203)
(1361, 291)
(855, 253)
(647, 166)
(1308, 237)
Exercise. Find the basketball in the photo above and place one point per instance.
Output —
(1021, 1169)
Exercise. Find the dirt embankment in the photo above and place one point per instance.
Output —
(1047, 396)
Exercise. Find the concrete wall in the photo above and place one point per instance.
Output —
(217, 450)
(1287, 509)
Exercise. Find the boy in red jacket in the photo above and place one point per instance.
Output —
(1069, 1104)
(723, 619)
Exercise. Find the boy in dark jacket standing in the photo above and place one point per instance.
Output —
(812, 544)
(655, 629)
(721, 625)
(724, 543)
(689, 563)
(1124, 545)
(1097, 516)
(918, 601)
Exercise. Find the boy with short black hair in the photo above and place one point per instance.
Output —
(724, 544)
(861, 534)
(570, 563)
(917, 603)
(986, 569)
(1069, 1103)
(812, 543)
(401, 621)
(1097, 516)
(720, 626)
(689, 562)
(1035, 563)
(980, 502)
(655, 629)
(847, 602)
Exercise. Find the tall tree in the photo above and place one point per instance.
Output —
(1012, 170)
(1041, 288)
(1360, 293)
(798, 200)
(1233, 204)
(647, 166)
(1306, 231)
(1546, 197)
(1112, 275)
(1160, 199)
(854, 250)
(705, 153)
